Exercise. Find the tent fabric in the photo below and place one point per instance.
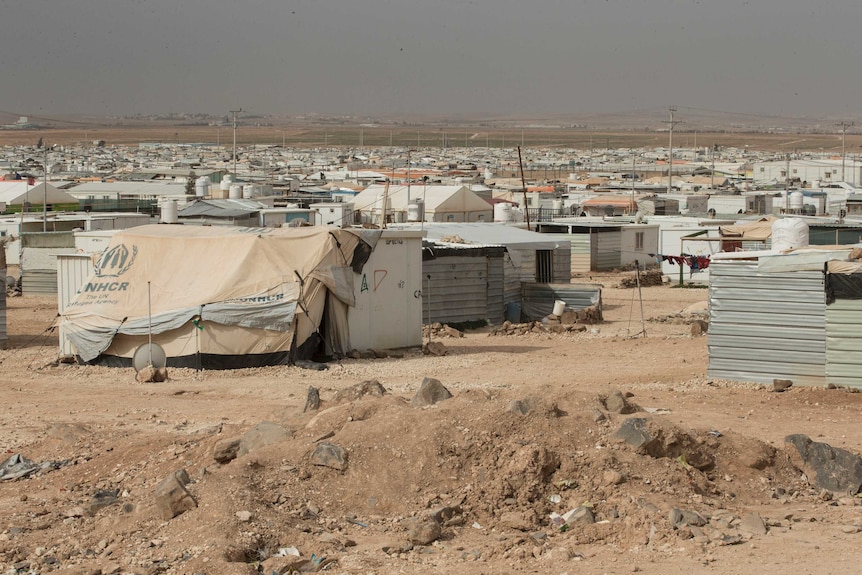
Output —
(213, 291)
(760, 229)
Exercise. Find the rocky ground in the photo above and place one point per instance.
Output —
(598, 450)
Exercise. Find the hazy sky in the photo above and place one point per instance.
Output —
(539, 57)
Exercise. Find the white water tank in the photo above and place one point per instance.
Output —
(789, 233)
(226, 181)
(557, 205)
(202, 186)
(247, 191)
(381, 199)
(797, 200)
(416, 210)
(503, 212)
(169, 212)
(235, 192)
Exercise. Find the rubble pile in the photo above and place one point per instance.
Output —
(648, 278)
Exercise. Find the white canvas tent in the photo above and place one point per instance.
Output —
(219, 297)
(17, 192)
(442, 203)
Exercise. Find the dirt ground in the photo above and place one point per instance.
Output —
(490, 475)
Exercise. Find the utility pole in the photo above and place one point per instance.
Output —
(844, 126)
(45, 193)
(234, 112)
(712, 182)
(634, 173)
(671, 124)
(408, 175)
(787, 186)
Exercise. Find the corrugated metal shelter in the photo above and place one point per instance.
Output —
(39, 251)
(3, 335)
(244, 213)
(767, 316)
(844, 324)
(600, 245)
(462, 284)
(539, 299)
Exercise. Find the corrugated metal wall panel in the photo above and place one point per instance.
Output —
(458, 290)
(539, 298)
(580, 253)
(496, 313)
(38, 282)
(3, 334)
(749, 312)
(606, 251)
(767, 342)
(844, 343)
(562, 265)
(511, 281)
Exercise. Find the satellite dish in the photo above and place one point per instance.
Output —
(149, 355)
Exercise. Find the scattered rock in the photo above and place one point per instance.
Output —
(101, 499)
(225, 450)
(518, 520)
(779, 385)
(616, 402)
(424, 530)
(682, 517)
(243, 516)
(581, 514)
(664, 440)
(262, 434)
(434, 348)
(699, 327)
(431, 391)
(534, 404)
(368, 388)
(152, 374)
(172, 498)
(827, 467)
(312, 399)
(752, 523)
(613, 477)
(330, 455)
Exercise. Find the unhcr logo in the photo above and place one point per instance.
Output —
(115, 261)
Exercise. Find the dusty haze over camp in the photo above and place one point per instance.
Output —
(460, 57)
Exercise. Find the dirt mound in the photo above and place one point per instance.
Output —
(470, 462)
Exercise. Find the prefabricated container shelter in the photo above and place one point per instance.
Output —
(529, 258)
(767, 316)
(39, 251)
(462, 284)
(601, 245)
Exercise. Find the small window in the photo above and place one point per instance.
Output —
(544, 266)
(450, 217)
(762, 170)
(639, 241)
(795, 170)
